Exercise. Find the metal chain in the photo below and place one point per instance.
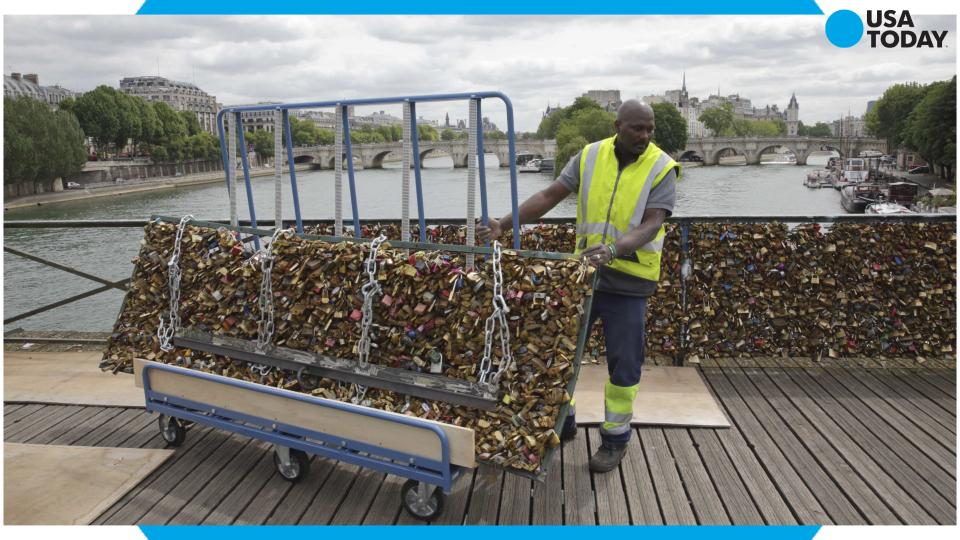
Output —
(265, 326)
(166, 330)
(497, 318)
(370, 289)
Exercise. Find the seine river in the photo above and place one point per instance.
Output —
(733, 191)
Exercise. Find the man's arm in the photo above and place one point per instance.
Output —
(653, 218)
(529, 211)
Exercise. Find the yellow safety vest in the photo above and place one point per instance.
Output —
(611, 203)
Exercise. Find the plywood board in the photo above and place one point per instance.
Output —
(66, 378)
(279, 408)
(69, 485)
(669, 396)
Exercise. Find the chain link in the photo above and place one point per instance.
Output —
(370, 289)
(166, 330)
(496, 319)
(265, 325)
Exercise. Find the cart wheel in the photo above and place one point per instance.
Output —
(298, 468)
(172, 430)
(423, 510)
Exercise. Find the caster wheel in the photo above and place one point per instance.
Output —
(423, 510)
(172, 430)
(298, 468)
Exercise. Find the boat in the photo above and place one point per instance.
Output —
(887, 208)
(780, 159)
(818, 179)
(855, 197)
(902, 193)
(532, 165)
(546, 165)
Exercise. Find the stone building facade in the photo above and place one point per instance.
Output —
(181, 96)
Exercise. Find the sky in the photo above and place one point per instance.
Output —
(535, 60)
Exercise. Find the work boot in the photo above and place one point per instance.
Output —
(569, 430)
(608, 456)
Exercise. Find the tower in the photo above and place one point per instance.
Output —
(793, 116)
(684, 97)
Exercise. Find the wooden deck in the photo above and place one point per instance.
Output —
(809, 445)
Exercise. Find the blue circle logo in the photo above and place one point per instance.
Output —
(844, 28)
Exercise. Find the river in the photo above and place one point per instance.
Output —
(733, 191)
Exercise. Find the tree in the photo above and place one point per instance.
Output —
(98, 115)
(888, 119)
(931, 126)
(262, 142)
(447, 135)
(820, 129)
(671, 131)
(719, 120)
(427, 133)
(40, 144)
(150, 128)
(741, 127)
(193, 125)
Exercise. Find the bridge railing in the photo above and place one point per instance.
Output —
(231, 137)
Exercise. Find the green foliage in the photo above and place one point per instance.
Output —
(931, 125)
(888, 119)
(99, 115)
(550, 125)
(447, 135)
(719, 120)
(671, 131)
(427, 133)
(193, 125)
(820, 129)
(40, 144)
(262, 142)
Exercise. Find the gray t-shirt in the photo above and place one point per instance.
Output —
(663, 195)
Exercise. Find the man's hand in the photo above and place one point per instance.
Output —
(597, 255)
(490, 232)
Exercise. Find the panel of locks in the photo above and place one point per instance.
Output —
(430, 317)
(877, 290)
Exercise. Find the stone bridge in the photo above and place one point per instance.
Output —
(373, 155)
(711, 149)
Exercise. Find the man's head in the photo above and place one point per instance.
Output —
(634, 125)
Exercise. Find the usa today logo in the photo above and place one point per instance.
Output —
(889, 29)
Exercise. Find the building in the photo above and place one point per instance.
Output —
(608, 99)
(870, 105)
(849, 126)
(181, 96)
(793, 116)
(690, 108)
(15, 85)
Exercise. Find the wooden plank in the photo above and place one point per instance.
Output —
(756, 479)
(739, 505)
(154, 490)
(63, 426)
(193, 438)
(485, 501)
(931, 444)
(914, 378)
(123, 422)
(941, 409)
(220, 486)
(867, 466)
(932, 472)
(359, 498)
(800, 432)
(386, 505)
(226, 511)
(302, 494)
(703, 496)
(46, 420)
(184, 491)
(579, 502)
(792, 469)
(608, 488)
(261, 507)
(331, 495)
(547, 506)
(104, 415)
(916, 496)
(13, 412)
(944, 379)
(283, 409)
(40, 414)
(455, 509)
(10, 407)
(515, 501)
(666, 480)
(640, 494)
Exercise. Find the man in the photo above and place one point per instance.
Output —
(626, 188)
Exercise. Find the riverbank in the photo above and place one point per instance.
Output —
(132, 186)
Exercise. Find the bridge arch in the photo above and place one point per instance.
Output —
(306, 158)
(377, 162)
(726, 151)
(690, 154)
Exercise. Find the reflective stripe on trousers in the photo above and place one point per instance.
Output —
(618, 408)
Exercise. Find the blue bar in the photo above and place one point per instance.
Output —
(481, 165)
(512, 144)
(415, 139)
(353, 184)
(293, 172)
(490, 7)
(246, 175)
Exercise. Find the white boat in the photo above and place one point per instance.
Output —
(887, 208)
(532, 165)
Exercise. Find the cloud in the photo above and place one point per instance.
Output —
(535, 59)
